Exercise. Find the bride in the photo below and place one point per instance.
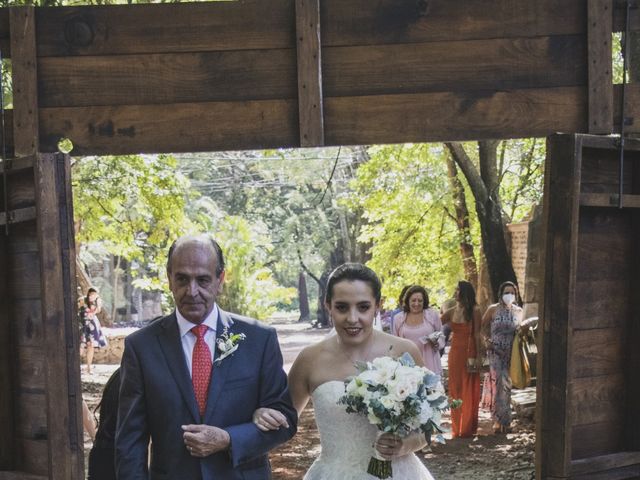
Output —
(348, 439)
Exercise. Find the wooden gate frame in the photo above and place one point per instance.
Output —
(308, 92)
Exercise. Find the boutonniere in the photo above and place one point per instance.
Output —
(227, 343)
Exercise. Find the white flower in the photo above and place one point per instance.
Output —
(373, 420)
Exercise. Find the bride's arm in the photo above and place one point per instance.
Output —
(392, 446)
(269, 419)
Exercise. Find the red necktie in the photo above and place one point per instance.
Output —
(201, 367)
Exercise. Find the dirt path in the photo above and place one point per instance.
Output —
(484, 457)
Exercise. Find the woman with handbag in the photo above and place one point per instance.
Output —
(464, 359)
(500, 324)
(421, 324)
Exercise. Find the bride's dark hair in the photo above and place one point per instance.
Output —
(351, 272)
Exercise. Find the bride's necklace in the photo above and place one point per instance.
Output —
(352, 360)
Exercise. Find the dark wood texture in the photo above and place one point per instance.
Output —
(56, 248)
(7, 454)
(167, 78)
(599, 29)
(166, 128)
(455, 66)
(591, 336)
(511, 68)
(20, 476)
(310, 101)
(561, 203)
(25, 95)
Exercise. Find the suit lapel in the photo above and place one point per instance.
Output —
(220, 370)
(169, 338)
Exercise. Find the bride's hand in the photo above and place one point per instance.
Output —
(267, 419)
(391, 446)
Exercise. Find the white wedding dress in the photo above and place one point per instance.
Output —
(347, 442)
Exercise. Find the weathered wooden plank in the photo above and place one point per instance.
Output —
(25, 86)
(6, 364)
(27, 322)
(599, 351)
(24, 272)
(21, 190)
(455, 66)
(310, 103)
(20, 476)
(451, 116)
(167, 78)
(629, 472)
(601, 171)
(5, 41)
(603, 254)
(632, 108)
(124, 29)
(52, 233)
(34, 458)
(597, 399)
(173, 128)
(602, 303)
(23, 238)
(14, 165)
(605, 462)
(573, 109)
(495, 64)
(596, 439)
(554, 420)
(632, 365)
(18, 215)
(31, 369)
(71, 334)
(609, 200)
(367, 22)
(599, 20)
(32, 416)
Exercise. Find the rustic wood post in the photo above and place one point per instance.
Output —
(600, 24)
(54, 252)
(310, 107)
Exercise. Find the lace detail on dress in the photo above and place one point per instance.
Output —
(347, 442)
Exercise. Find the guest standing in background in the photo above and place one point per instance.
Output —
(500, 324)
(91, 331)
(465, 320)
(422, 326)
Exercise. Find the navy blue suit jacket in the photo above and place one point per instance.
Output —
(156, 398)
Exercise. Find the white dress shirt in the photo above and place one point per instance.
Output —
(188, 338)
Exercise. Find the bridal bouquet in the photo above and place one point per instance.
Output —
(398, 397)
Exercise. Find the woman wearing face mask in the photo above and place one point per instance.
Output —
(499, 325)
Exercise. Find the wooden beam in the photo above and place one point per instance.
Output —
(20, 476)
(25, 84)
(63, 389)
(605, 462)
(609, 200)
(12, 165)
(600, 78)
(310, 101)
(7, 366)
(18, 215)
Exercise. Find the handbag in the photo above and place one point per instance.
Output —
(519, 371)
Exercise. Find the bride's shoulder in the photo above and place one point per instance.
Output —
(313, 353)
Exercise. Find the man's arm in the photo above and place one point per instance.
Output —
(132, 432)
(247, 441)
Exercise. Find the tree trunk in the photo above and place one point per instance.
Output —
(462, 221)
(303, 299)
(324, 320)
(485, 188)
(116, 273)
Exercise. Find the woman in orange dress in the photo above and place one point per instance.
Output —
(465, 320)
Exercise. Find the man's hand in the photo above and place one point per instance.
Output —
(205, 440)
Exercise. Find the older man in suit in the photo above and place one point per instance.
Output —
(192, 380)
